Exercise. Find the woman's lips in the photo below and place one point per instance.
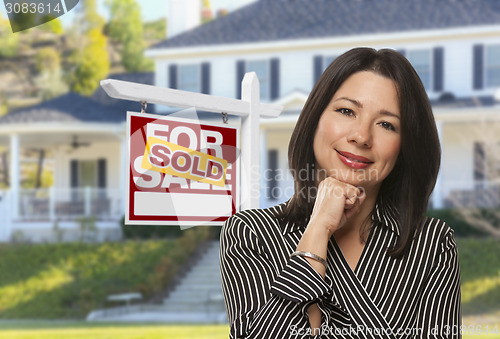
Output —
(353, 160)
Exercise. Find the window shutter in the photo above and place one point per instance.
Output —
(272, 162)
(275, 78)
(101, 173)
(205, 78)
(438, 69)
(73, 173)
(172, 76)
(478, 67)
(318, 68)
(240, 73)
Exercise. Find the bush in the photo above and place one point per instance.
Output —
(456, 221)
(161, 232)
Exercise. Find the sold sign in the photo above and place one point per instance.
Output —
(180, 172)
(166, 157)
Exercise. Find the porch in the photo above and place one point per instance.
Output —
(61, 214)
(59, 204)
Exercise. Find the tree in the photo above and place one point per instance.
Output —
(54, 26)
(93, 65)
(92, 60)
(8, 40)
(49, 78)
(126, 28)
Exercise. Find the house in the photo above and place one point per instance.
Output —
(87, 141)
(453, 45)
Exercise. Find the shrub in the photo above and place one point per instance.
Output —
(456, 221)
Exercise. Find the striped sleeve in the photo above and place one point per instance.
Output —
(439, 311)
(247, 276)
(299, 282)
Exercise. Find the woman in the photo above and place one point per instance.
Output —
(351, 254)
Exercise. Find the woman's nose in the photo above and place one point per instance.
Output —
(361, 134)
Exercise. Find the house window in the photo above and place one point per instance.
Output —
(87, 173)
(268, 72)
(189, 78)
(320, 64)
(328, 60)
(421, 61)
(261, 68)
(492, 66)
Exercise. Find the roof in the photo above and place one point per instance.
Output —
(72, 107)
(448, 100)
(271, 20)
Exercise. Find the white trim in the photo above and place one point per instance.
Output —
(472, 114)
(294, 44)
(58, 127)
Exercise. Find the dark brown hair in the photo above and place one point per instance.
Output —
(409, 185)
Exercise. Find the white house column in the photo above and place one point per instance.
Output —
(437, 195)
(14, 175)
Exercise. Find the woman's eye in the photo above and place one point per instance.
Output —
(345, 111)
(387, 125)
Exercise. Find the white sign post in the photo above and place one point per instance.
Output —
(249, 108)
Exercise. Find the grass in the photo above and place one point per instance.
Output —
(39, 281)
(68, 280)
(80, 330)
(480, 273)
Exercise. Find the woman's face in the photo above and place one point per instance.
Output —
(358, 137)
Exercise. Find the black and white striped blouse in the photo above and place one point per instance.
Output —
(267, 293)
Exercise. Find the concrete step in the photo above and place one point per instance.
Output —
(196, 299)
(200, 289)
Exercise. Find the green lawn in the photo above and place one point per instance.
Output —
(52, 281)
(80, 330)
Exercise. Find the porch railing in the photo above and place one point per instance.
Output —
(482, 194)
(69, 203)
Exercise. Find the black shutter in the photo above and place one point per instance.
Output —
(438, 69)
(479, 161)
(240, 73)
(318, 67)
(275, 78)
(73, 178)
(101, 173)
(478, 67)
(172, 76)
(272, 163)
(205, 78)
(73, 173)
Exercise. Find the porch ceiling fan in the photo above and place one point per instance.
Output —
(77, 144)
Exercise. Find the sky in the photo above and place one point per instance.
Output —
(150, 9)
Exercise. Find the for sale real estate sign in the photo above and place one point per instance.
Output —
(182, 172)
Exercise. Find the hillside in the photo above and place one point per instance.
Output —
(23, 81)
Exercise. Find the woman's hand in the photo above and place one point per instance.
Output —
(336, 202)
